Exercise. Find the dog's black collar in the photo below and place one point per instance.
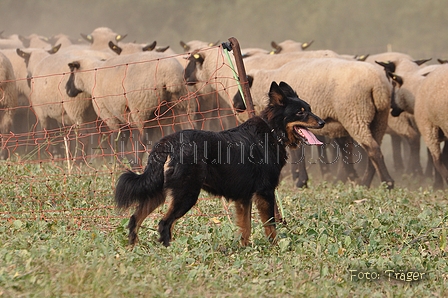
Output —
(277, 137)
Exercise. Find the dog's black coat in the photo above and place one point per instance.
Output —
(242, 164)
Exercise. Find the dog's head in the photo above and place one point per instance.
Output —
(290, 116)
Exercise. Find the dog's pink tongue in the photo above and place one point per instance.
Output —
(310, 137)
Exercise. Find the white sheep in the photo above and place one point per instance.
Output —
(54, 109)
(24, 118)
(100, 37)
(209, 73)
(11, 42)
(139, 90)
(352, 97)
(290, 46)
(196, 45)
(431, 110)
(403, 127)
(8, 102)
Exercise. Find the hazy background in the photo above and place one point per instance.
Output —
(416, 27)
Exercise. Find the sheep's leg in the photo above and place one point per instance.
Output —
(397, 152)
(346, 169)
(376, 161)
(414, 155)
(323, 158)
(298, 167)
(438, 158)
(429, 170)
(440, 168)
(430, 134)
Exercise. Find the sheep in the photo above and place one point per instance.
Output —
(404, 127)
(135, 90)
(54, 109)
(8, 102)
(208, 72)
(430, 116)
(100, 37)
(24, 118)
(64, 40)
(353, 98)
(12, 42)
(196, 45)
(430, 107)
(275, 61)
(35, 41)
(290, 46)
(131, 47)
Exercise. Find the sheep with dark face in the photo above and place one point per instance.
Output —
(22, 60)
(137, 90)
(403, 127)
(8, 102)
(424, 96)
(209, 75)
(353, 98)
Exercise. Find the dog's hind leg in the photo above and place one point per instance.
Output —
(142, 211)
(184, 198)
(265, 205)
(243, 220)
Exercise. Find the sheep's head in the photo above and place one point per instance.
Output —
(70, 87)
(195, 61)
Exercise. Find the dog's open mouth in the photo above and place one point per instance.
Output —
(307, 136)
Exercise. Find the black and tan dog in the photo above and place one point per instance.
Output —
(242, 164)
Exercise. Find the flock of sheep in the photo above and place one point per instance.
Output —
(107, 88)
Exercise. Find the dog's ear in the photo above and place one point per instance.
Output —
(287, 90)
(276, 95)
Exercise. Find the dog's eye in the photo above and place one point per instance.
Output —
(301, 112)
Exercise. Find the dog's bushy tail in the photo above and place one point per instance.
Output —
(134, 188)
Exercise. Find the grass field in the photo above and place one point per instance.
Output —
(60, 236)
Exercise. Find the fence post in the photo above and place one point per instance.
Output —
(279, 217)
(242, 76)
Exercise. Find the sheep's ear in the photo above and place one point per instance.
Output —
(362, 57)
(87, 37)
(162, 50)
(25, 41)
(306, 45)
(250, 80)
(198, 57)
(276, 47)
(395, 78)
(388, 66)
(184, 46)
(276, 96)
(74, 65)
(23, 54)
(120, 37)
(421, 61)
(442, 61)
(54, 49)
(211, 44)
(115, 48)
(150, 47)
